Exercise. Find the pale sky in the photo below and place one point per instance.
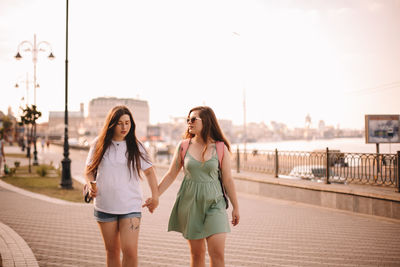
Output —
(336, 60)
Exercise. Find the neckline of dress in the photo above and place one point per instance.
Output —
(212, 157)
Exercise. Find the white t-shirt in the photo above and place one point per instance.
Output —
(118, 190)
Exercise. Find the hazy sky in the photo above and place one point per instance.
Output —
(336, 60)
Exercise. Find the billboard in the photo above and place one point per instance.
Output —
(382, 128)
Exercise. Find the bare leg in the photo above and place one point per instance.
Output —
(197, 253)
(216, 249)
(110, 233)
(129, 235)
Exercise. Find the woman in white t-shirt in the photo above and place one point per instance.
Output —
(115, 160)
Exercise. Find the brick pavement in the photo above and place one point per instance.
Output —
(271, 233)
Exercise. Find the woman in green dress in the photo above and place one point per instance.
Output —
(199, 212)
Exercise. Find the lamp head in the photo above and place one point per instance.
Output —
(18, 56)
(51, 56)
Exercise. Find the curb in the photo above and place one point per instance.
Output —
(38, 196)
(14, 250)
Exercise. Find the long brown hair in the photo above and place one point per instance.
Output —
(211, 128)
(105, 138)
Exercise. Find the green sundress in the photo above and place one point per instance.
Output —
(199, 209)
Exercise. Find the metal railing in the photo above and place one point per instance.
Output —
(327, 166)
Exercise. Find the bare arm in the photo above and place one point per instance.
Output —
(229, 185)
(152, 180)
(172, 172)
(89, 177)
(168, 178)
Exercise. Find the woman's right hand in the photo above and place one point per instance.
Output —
(151, 204)
(92, 191)
(235, 217)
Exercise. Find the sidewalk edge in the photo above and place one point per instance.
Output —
(38, 196)
(14, 250)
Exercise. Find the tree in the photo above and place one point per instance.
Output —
(29, 117)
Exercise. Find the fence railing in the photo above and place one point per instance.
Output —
(327, 166)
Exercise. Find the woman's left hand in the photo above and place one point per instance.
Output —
(235, 217)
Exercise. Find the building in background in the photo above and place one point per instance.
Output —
(76, 120)
(99, 108)
(227, 128)
(81, 127)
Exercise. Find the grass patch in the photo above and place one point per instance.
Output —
(17, 155)
(47, 185)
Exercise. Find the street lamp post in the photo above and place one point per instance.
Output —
(27, 82)
(66, 181)
(34, 48)
(236, 34)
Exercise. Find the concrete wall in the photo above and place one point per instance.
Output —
(356, 199)
(365, 199)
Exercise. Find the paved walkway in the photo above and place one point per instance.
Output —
(13, 249)
(271, 233)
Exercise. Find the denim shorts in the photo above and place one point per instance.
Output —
(108, 217)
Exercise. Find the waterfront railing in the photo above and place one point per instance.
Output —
(329, 166)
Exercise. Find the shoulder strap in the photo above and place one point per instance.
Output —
(220, 151)
(184, 148)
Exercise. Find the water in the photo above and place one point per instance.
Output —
(350, 145)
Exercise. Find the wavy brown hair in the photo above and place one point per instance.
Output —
(105, 138)
(211, 128)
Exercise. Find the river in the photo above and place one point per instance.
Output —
(350, 145)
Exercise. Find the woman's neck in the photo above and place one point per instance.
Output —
(197, 139)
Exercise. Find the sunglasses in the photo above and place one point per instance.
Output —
(192, 119)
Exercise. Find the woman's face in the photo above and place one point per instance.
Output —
(195, 125)
(122, 128)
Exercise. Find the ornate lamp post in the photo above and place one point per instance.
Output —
(34, 48)
(17, 84)
(27, 82)
(66, 181)
(236, 34)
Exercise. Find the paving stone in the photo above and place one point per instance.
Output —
(271, 233)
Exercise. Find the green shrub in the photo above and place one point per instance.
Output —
(17, 164)
(12, 171)
(9, 171)
(42, 170)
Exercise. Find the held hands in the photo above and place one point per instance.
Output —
(235, 217)
(151, 203)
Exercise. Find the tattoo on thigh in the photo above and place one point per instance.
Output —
(135, 223)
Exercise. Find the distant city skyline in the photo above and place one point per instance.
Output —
(313, 124)
(334, 60)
